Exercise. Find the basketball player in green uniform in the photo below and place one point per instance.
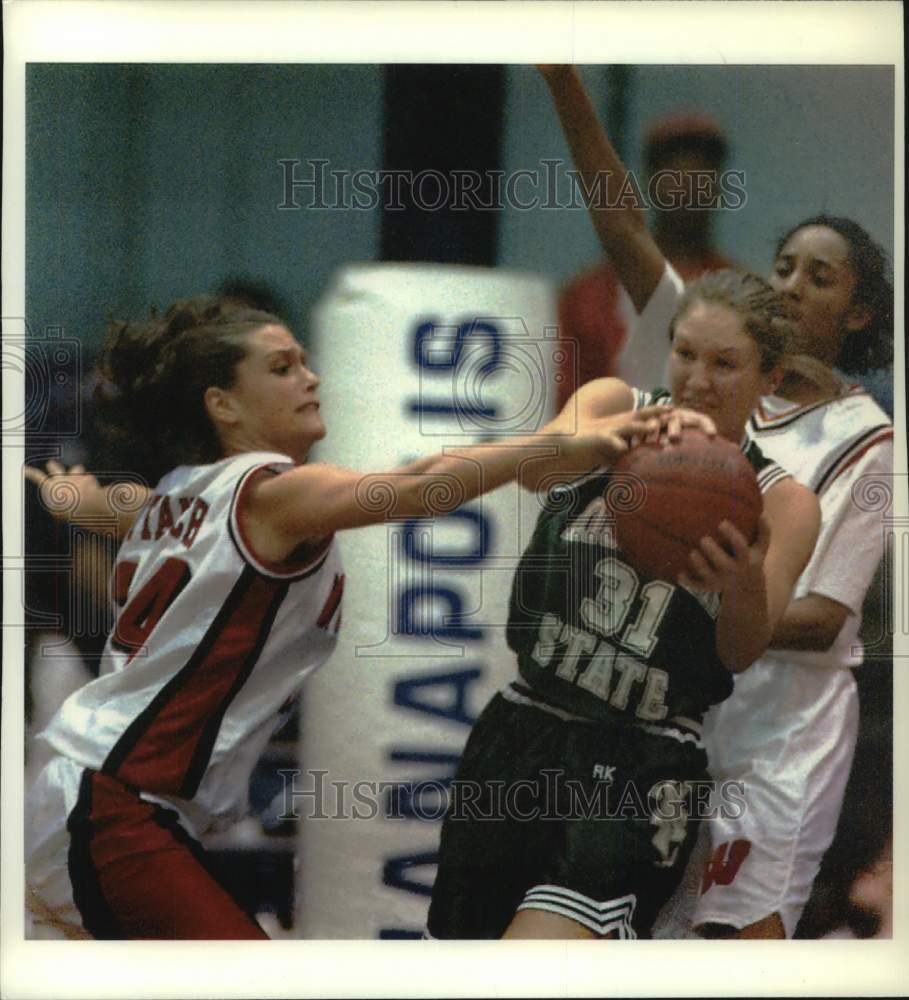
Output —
(575, 803)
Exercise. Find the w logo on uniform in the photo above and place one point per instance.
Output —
(332, 606)
(724, 863)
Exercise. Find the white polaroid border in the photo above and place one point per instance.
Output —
(515, 32)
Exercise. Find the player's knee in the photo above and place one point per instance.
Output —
(715, 931)
(769, 927)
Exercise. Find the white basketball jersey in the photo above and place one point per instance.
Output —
(788, 733)
(842, 449)
(211, 643)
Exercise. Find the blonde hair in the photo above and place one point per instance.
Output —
(764, 312)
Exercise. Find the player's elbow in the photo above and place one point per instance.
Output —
(739, 652)
(737, 662)
(825, 632)
(825, 642)
(831, 623)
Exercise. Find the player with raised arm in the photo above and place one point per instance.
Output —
(790, 728)
(229, 589)
(570, 807)
(682, 155)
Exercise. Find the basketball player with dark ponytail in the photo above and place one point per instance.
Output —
(228, 587)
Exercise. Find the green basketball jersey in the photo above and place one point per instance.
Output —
(595, 636)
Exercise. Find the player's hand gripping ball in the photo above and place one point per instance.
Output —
(687, 489)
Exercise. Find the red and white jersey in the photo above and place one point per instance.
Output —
(210, 645)
(842, 449)
(787, 733)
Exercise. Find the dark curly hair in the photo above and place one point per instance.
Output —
(763, 311)
(871, 347)
(153, 377)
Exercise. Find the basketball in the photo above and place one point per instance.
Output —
(679, 493)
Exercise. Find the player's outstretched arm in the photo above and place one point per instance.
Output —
(75, 496)
(312, 501)
(756, 580)
(602, 397)
(618, 221)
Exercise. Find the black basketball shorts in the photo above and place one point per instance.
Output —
(588, 820)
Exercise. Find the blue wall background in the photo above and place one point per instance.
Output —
(809, 138)
(149, 182)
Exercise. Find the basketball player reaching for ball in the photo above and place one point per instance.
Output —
(229, 587)
(788, 732)
(570, 808)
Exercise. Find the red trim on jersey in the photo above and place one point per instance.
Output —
(769, 420)
(884, 436)
(161, 744)
(295, 564)
(148, 875)
(334, 600)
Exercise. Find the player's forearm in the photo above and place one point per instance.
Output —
(810, 623)
(604, 174)
(75, 496)
(743, 627)
(117, 504)
(438, 483)
(619, 223)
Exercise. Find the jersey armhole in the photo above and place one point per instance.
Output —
(304, 560)
(652, 397)
(770, 475)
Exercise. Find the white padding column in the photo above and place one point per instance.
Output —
(412, 358)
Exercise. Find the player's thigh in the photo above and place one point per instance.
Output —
(766, 852)
(538, 924)
(629, 833)
(494, 842)
(136, 873)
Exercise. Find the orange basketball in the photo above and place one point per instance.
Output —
(676, 494)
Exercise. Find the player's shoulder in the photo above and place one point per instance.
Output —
(857, 407)
(861, 438)
(672, 278)
(223, 474)
(835, 417)
(793, 506)
(767, 471)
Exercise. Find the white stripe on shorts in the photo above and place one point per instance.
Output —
(601, 918)
(685, 730)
